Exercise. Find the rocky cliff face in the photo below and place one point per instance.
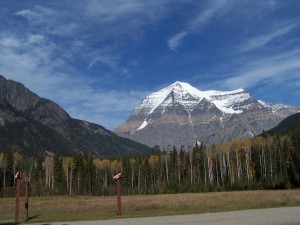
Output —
(179, 115)
(35, 125)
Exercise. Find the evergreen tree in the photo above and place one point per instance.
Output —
(126, 180)
(79, 169)
(173, 171)
(9, 167)
(90, 176)
(295, 142)
(37, 176)
(58, 172)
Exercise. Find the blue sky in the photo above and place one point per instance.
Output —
(99, 58)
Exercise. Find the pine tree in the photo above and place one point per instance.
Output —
(58, 173)
(295, 142)
(79, 169)
(9, 168)
(90, 176)
(126, 180)
(37, 176)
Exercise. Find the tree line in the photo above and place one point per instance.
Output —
(264, 162)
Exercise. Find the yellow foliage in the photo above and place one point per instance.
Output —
(236, 144)
(246, 143)
(260, 142)
(225, 147)
(115, 165)
(153, 160)
(68, 162)
(101, 164)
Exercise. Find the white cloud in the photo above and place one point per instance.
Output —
(110, 11)
(106, 107)
(9, 42)
(35, 64)
(36, 38)
(264, 39)
(105, 59)
(49, 21)
(270, 70)
(32, 62)
(132, 11)
(176, 40)
(212, 10)
(39, 15)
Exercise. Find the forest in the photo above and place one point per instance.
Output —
(263, 162)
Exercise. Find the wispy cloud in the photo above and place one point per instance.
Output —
(213, 8)
(32, 60)
(175, 41)
(106, 107)
(38, 15)
(279, 68)
(49, 21)
(262, 40)
(118, 10)
(93, 23)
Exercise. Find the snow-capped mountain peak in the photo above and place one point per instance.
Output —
(180, 91)
(180, 114)
(189, 96)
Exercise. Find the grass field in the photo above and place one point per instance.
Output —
(65, 208)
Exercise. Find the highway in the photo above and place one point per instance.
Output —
(273, 216)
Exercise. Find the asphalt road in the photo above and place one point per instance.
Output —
(274, 216)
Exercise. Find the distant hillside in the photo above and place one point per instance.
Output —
(34, 125)
(287, 125)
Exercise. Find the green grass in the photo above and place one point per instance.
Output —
(65, 208)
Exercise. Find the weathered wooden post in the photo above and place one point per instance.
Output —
(18, 178)
(26, 181)
(117, 178)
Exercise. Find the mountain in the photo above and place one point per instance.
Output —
(179, 115)
(35, 125)
(289, 124)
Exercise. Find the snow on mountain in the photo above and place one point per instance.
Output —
(181, 91)
(188, 96)
(226, 100)
(274, 107)
(179, 115)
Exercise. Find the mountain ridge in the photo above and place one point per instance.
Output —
(289, 124)
(179, 115)
(35, 125)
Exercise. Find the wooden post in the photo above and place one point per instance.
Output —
(119, 212)
(117, 178)
(18, 178)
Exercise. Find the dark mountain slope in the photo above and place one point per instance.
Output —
(289, 124)
(35, 125)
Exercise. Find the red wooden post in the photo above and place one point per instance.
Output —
(117, 178)
(18, 178)
(119, 211)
